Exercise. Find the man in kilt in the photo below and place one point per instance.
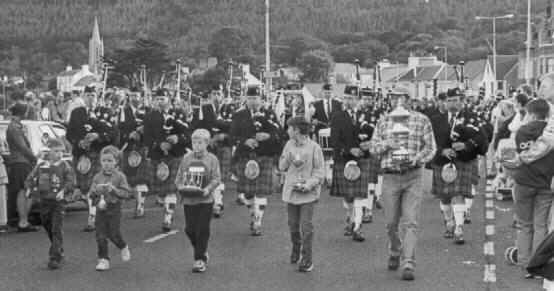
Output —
(460, 140)
(166, 140)
(206, 117)
(89, 132)
(254, 131)
(134, 163)
(368, 115)
(346, 140)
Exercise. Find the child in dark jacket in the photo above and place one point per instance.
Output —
(51, 180)
(108, 188)
(532, 193)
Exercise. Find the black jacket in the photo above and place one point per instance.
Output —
(245, 126)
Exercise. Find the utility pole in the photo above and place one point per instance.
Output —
(267, 52)
(528, 46)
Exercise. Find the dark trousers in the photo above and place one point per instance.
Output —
(197, 227)
(108, 227)
(51, 215)
(17, 173)
(301, 228)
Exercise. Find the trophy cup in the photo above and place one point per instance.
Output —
(400, 133)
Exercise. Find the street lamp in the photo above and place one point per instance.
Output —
(494, 18)
(445, 60)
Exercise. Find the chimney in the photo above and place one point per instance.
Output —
(68, 68)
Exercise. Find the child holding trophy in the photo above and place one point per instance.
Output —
(302, 160)
(197, 178)
(108, 188)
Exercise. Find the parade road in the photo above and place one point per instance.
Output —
(239, 261)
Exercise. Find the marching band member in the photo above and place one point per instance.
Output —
(459, 141)
(255, 133)
(166, 141)
(351, 173)
(324, 108)
(367, 117)
(404, 141)
(134, 163)
(88, 133)
(206, 117)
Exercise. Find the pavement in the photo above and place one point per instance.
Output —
(241, 262)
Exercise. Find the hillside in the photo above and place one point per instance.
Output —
(51, 33)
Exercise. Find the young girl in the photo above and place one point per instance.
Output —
(108, 188)
(302, 160)
(196, 180)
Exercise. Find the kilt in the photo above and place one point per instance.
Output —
(374, 169)
(85, 180)
(159, 187)
(137, 175)
(223, 154)
(341, 187)
(261, 186)
(468, 175)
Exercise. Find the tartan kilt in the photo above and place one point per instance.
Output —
(138, 175)
(159, 187)
(85, 180)
(341, 187)
(468, 175)
(223, 154)
(374, 169)
(261, 186)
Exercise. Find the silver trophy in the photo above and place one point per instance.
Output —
(400, 133)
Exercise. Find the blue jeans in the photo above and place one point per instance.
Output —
(532, 209)
(301, 228)
(402, 196)
(108, 223)
(51, 215)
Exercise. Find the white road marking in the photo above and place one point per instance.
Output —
(160, 236)
(489, 229)
(489, 248)
(489, 214)
(503, 209)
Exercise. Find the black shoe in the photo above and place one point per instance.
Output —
(408, 274)
(54, 264)
(166, 228)
(459, 239)
(239, 201)
(256, 232)
(377, 203)
(394, 263)
(305, 266)
(367, 218)
(358, 236)
(89, 228)
(28, 228)
(349, 230)
(467, 217)
(449, 233)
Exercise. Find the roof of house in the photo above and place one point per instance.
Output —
(392, 72)
(504, 63)
(86, 81)
(474, 69)
(68, 73)
(421, 74)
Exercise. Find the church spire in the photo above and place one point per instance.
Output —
(96, 50)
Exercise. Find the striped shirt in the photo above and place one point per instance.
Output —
(420, 142)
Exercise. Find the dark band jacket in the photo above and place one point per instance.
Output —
(468, 129)
(171, 125)
(366, 121)
(245, 126)
(222, 126)
(101, 122)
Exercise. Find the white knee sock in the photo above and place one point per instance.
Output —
(349, 211)
(140, 203)
(358, 210)
(469, 203)
(91, 212)
(379, 186)
(459, 210)
(260, 204)
(447, 214)
(170, 201)
(370, 197)
(218, 194)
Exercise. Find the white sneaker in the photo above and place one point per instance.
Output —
(103, 265)
(125, 254)
(199, 266)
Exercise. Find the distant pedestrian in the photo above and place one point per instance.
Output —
(197, 178)
(51, 180)
(302, 161)
(108, 188)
